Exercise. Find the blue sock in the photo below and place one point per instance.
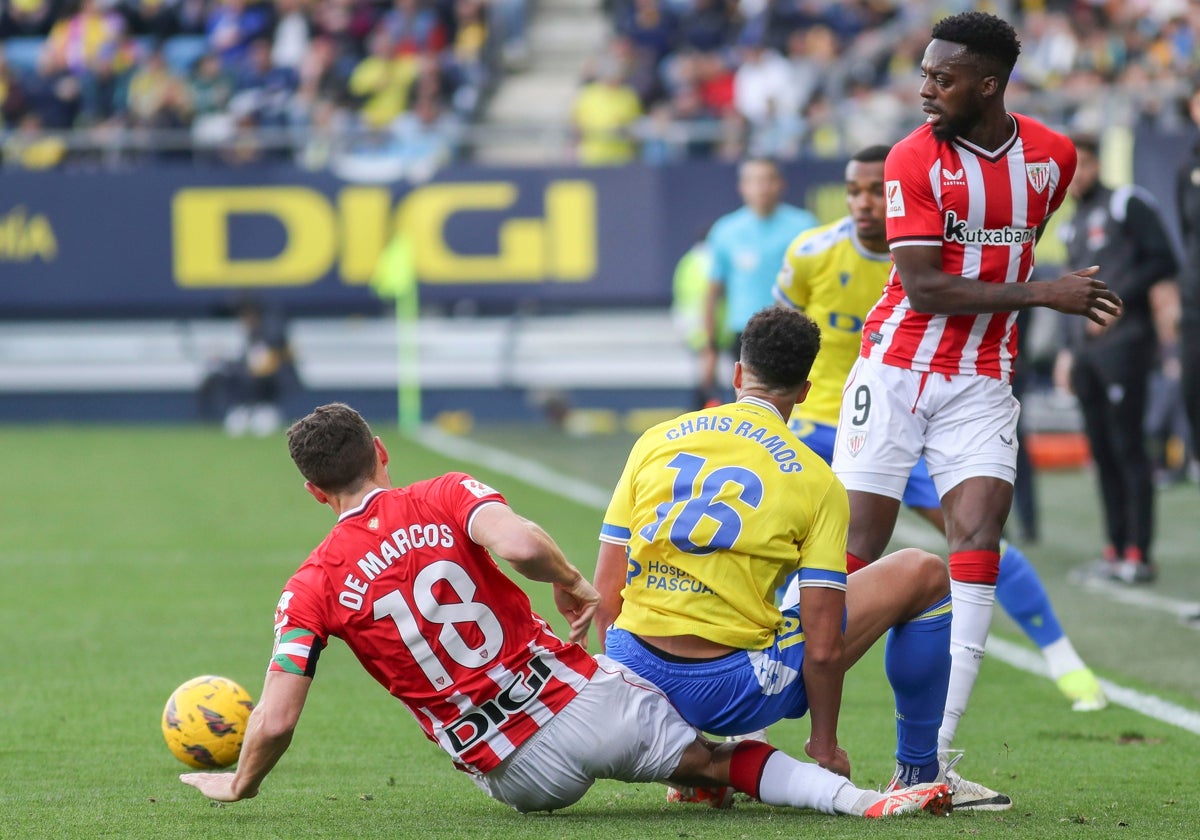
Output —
(917, 661)
(1020, 592)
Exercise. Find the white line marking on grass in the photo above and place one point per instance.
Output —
(523, 469)
(531, 472)
(1142, 598)
(1146, 704)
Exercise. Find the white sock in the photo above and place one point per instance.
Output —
(786, 781)
(973, 603)
(1061, 658)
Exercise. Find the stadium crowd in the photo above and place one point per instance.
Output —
(794, 78)
(385, 89)
(242, 81)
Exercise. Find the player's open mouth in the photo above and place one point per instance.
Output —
(932, 116)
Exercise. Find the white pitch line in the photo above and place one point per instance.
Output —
(1142, 598)
(1146, 704)
(544, 478)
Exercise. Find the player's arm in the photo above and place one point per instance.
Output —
(929, 289)
(824, 671)
(611, 569)
(535, 555)
(268, 735)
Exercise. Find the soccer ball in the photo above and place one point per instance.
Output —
(204, 721)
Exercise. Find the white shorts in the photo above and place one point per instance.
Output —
(964, 424)
(619, 727)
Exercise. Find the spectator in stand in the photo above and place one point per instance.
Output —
(763, 86)
(87, 40)
(319, 81)
(650, 27)
(210, 87)
(292, 34)
(27, 18)
(263, 89)
(381, 81)
(425, 137)
(30, 147)
(414, 27)
(348, 23)
(53, 93)
(467, 55)
(604, 114)
(12, 93)
(817, 65)
(157, 98)
(707, 25)
(164, 18)
(231, 27)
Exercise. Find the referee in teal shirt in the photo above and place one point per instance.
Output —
(746, 249)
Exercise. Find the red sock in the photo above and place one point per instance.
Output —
(853, 564)
(975, 566)
(746, 765)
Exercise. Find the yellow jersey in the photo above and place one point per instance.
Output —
(716, 508)
(832, 278)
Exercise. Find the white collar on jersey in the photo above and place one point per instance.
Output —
(763, 404)
(357, 509)
(991, 154)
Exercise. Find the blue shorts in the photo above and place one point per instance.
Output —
(918, 493)
(735, 694)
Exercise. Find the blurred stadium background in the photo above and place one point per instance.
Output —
(535, 167)
(547, 160)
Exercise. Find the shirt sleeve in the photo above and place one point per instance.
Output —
(1067, 158)
(718, 266)
(914, 216)
(823, 554)
(463, 494)
(791, 285)
(300, 631)
(618, 517)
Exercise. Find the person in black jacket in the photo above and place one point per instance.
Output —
(1109, 365)
(1187, 201)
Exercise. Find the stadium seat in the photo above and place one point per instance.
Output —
(22, 53)
(181, 52)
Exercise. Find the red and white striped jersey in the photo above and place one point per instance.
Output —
(433, 619)
(983, 209)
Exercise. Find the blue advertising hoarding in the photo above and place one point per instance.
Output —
(181, 242)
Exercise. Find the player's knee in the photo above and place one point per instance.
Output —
(926, 575)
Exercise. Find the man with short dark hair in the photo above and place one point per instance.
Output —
(713, 512)
(406, 579)
(967, 194)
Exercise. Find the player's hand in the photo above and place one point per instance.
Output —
(218, 786)
(1082, 293)
(577, 604)
(835, 761)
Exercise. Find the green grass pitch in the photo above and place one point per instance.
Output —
(135, 558)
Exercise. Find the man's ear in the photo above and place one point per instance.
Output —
(803, 395)
(316, 492)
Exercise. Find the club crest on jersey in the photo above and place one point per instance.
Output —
(895, 199)
(1039, 175)
(855, 442)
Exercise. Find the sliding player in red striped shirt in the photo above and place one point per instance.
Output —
(967, 195)
(406, 579)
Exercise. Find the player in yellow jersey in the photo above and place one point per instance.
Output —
(836, 274)
(713, 511)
